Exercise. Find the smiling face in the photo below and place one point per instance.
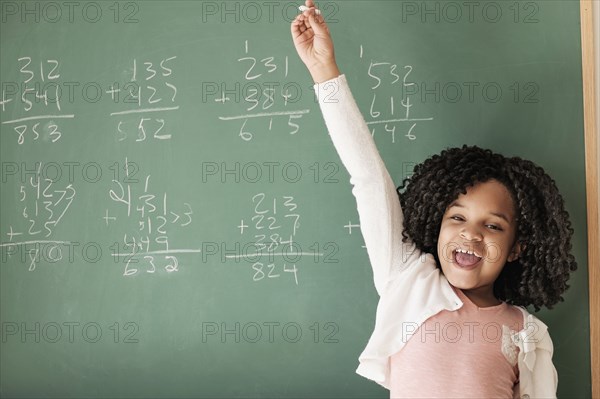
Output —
(477, 237)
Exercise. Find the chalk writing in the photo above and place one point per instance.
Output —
(273, 226)
(148, 249)
(44, 203)
(392, 110)
(262, 96)
(37, 96)
(151, 90)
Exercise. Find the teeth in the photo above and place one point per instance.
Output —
(467, 252)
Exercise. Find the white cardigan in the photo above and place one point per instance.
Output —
(410, 286)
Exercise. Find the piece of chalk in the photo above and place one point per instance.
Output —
(304, 8)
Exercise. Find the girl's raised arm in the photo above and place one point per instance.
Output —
(376, 198)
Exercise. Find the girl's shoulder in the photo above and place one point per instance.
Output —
(534, 332)
(517, 316)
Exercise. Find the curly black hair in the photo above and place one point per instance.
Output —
(539, 276)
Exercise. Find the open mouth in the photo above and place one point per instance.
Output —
(465, 259)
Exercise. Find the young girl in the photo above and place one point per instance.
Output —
(474, 238)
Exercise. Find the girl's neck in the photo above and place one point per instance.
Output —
(481, 300)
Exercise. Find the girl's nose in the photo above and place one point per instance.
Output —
(471, 234)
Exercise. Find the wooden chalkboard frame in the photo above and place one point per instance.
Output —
(592, 187)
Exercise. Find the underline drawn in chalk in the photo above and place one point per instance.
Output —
(38, 117)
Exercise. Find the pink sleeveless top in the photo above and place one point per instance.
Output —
(464, 353)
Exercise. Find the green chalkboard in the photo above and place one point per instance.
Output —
(175, 221)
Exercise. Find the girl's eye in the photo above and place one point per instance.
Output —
(494, 227)
(456, 218)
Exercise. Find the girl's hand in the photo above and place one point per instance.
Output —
(314, 45)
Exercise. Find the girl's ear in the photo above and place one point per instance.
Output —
(516, 251)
